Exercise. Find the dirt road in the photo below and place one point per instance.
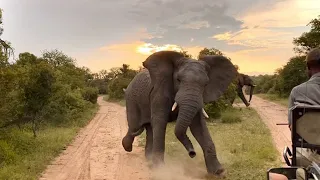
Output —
(271, 114)
(97, 153)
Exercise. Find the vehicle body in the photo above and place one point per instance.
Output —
(305, 138)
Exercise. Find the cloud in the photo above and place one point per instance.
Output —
(195, 25)
(256, 38)
(104, 34)
(177, 21)
(284, 13)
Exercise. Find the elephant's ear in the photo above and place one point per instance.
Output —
(161, 66)
(222, 72)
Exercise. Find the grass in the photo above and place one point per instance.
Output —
(121, 102)
(237, 100)
(243, 142)
(232, 115)
(274, 98)
(25, 157)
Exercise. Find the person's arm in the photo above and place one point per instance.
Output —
(290, 105)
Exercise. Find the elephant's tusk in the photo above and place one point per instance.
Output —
(174, 106)
(204, 113)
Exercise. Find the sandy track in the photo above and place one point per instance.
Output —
(97, 153)
(271, 114)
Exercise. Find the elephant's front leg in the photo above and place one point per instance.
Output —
(201, 133)
(149, 142)
(159, 130)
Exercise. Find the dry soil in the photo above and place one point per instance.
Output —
(96, 153)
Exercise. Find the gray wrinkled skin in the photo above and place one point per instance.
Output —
(169, 78)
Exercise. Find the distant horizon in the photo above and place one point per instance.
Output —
(101, 35)
(253, 73)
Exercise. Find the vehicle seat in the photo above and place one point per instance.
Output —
(308, 128)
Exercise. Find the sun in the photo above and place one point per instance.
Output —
(148, 48)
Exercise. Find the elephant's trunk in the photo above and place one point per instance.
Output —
(185, 116)
(241, 95)
(190, 102)
(251, 92)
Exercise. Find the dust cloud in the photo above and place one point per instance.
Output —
(182, 167)
(178, 170)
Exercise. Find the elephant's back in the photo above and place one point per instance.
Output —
(139, 87)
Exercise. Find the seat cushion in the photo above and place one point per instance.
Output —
(306, 156)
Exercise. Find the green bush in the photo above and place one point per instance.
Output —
(115, 87)
(214, 109)
(90, 94)
(231, 115)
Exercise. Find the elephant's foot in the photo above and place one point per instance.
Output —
(192, 153)
(148, 155)
(127, 143)
(214, 167)
(155, 166)
(157, 160)
(219, 173)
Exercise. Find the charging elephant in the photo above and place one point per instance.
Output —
(244, 79)
(173, 86)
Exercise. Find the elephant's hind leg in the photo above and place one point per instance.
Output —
(149, 141)
(127, 141)
(135, 129)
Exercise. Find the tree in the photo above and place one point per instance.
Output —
(308, 40)
(186, 54)
(57, 58)
(211, 51)
(120, 79)
(37, 91)
(5, 48)
(27, 59)
(293, 74)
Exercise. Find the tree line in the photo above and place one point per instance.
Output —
(294, 72)
(46, 90)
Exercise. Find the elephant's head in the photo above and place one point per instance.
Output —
(245, 80)
(187, 84)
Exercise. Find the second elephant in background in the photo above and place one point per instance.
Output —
(244, 79)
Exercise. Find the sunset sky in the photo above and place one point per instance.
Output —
(256, 34)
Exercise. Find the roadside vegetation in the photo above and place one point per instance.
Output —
(277, 87)
(44, 101)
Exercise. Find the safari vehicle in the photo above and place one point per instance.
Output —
(305, 137)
